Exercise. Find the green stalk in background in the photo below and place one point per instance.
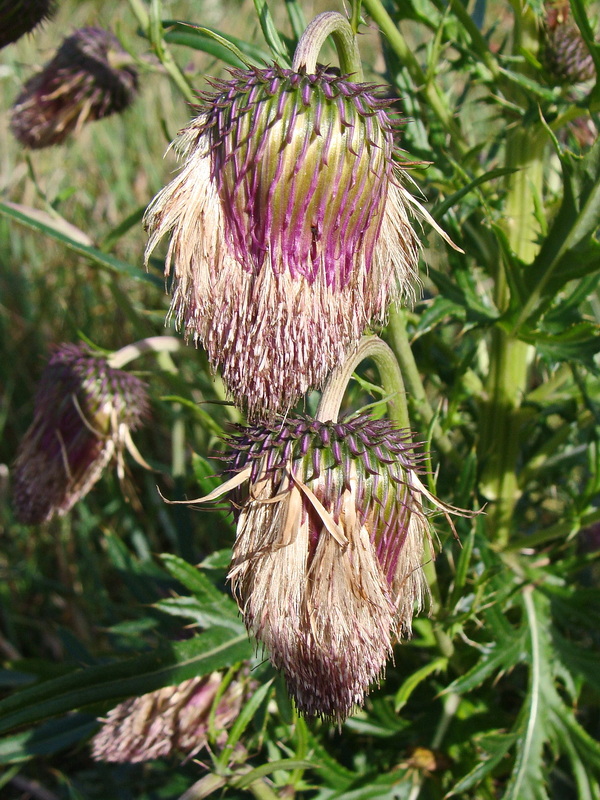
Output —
(501, 413)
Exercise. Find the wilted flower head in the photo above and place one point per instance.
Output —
(89, 78)
(173, 720)
(566, 55)
(84, 412)
(18, 17)
(289, 228)
(327, 561)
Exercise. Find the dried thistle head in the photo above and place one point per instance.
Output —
(170, 721)
(84, 412)
(89, 78)
(18, 17)
(565, 53)
(327, 560)
(289, 228)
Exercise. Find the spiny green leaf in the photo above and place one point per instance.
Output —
(167, 666)
(492, 749)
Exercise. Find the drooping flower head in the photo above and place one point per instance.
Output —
(170, 721)
(327, 560)
(18, 17)
(565, 53)
(89, 78)
(289, 228)
(84, 412)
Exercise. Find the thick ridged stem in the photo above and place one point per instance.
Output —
(330, 23)
(502, 416)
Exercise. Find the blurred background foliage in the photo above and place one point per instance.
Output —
(497, 694)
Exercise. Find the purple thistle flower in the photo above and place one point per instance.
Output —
(289, 228)
(89, 78)
(327, 560)
(172, 720)
(84, 412)
(18, 17)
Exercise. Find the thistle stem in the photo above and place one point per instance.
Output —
(502, 416)
(333, 24)
(414, 384)
(391, 380)
(153, 344)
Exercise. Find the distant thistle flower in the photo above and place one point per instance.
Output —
(289, 228)
(170, 721)
(89, 78)
(566, 55)
(84, 412)
(327, 561)
(18, 17)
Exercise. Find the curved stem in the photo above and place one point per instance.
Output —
(330, 23)
(153, 344)
(391, 379)
(414, 384)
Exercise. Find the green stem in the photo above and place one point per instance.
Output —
(502, 416)
(153, 344)
(401, 346)
(152, 26)
(391, 380)
(330, 23)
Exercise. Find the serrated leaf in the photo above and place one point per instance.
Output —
(496, 746)
(580, 342)
(502, 655)
(209, 605)
(527, 780)
(437, 311)
(167, 666)
(570, 242)
(411, 683)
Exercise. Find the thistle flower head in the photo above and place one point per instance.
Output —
(566, 55)
(327, 561)
(173, 720)
(84, 411)
(18, 17)
(88, 79)
(289, 228)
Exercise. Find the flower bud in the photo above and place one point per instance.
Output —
(289, 228)
(327, 560)
(566, 55)
(89, 78)
(84, 412)
(173, 720)
(18, 17)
